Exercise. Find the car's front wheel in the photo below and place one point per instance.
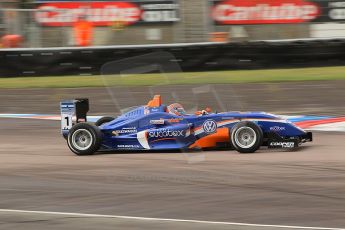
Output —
(84, 139)
(246, 137)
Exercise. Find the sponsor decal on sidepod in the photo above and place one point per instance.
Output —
(128, 146)
(125, 131)
(166, 133)
(209, 126)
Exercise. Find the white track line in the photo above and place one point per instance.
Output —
(165, 219)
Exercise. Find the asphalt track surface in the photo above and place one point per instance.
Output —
(271, 187)
(38, 172)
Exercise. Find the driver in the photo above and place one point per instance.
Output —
(176, 109)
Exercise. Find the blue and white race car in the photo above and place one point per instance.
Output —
(156, 126)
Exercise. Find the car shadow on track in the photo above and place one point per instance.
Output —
(262, 150)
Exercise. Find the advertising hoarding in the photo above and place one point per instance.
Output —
(242, 12)
(103, 13)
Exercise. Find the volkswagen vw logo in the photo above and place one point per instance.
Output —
(209, 126)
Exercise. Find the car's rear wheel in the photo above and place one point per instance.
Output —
(246, 137)
(103, 120)
(84, 139)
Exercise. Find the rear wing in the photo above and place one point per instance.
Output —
(72, 112)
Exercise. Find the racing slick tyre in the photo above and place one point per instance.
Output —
(103, 120)
(84, 139)
(246, 137)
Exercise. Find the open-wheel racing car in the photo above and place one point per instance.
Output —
(156, 126)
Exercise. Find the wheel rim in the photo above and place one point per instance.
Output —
(82, 139)
(245, 137)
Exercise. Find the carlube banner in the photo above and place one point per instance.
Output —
(264, 11)
(104, 13)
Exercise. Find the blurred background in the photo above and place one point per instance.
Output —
(52, 23)
(301, 40)
(237, 34)
(279, 56)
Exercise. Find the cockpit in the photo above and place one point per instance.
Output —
(175, 108)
